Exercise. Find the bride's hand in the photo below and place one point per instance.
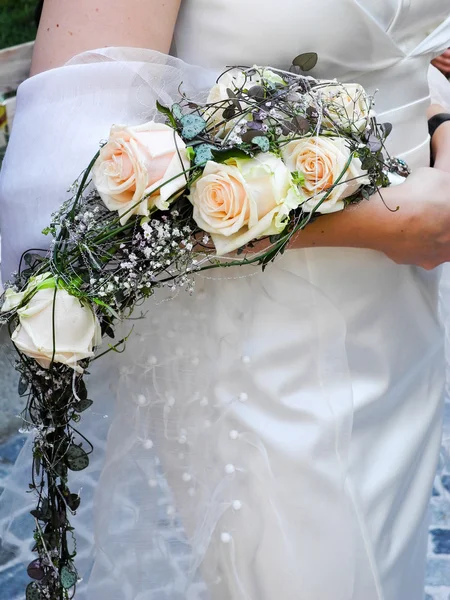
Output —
(418, 232)
(410, 223)
(423, 236)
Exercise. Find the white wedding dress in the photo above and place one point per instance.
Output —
(273, 436)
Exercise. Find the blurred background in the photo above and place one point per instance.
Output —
(18, 20)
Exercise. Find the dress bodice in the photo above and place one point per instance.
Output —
(384, 45)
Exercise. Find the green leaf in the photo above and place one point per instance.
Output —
(193, 125)
(76, 458)
(306, 61)
(68, 578)
(262, 142)
(190, 153)
(167, 112)
(298, 178)
(222, 156)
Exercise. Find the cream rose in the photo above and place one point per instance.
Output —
(234, 79)
(134, 163)
(76, 329)
(13, 299)
(320, 161)
(347, 105)
(243, 200)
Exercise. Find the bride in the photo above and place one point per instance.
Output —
(275, 435)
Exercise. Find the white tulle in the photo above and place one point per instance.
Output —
(273, 435)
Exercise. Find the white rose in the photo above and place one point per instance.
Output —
(347, 105)
(321, 161)
(243, 200)
(234, 79)
(76, 329)
(134, 163)
(14, 299)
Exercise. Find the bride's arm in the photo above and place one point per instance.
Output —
(68, 27)
(418, 233)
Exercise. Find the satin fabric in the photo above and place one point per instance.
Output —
(275, 435)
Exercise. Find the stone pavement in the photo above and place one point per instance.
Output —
(13, 576)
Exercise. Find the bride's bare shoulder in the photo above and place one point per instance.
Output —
(69, 27)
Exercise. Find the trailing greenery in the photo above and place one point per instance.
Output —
(17, 22)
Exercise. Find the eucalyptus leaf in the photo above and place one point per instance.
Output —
(306, 61)
(234, 98)
(82, 390)
(203, 153)
(43, 513)
(262, 142)
(23, 385)
(35, 570)
(76, 458)
(107, 330)
(32, 259)
(250, 135)
(257, 91)
(193, 125)
(374, 143)
(37, 514)
(177, 112)
(83, 405)
(302, 125)
(68, 578)
(229, 112)
(386, 128)
(73, 502)
(33, 592)
(60, 470)
(287, 127)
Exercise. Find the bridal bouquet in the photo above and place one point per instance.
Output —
(229, 181)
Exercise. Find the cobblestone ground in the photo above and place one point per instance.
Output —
(13, 577)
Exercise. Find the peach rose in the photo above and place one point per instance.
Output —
(235, 79)
(134, 163)
(243, 200)
(320, 161)
(346, 104)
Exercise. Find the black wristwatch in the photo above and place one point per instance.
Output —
(433, 124)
